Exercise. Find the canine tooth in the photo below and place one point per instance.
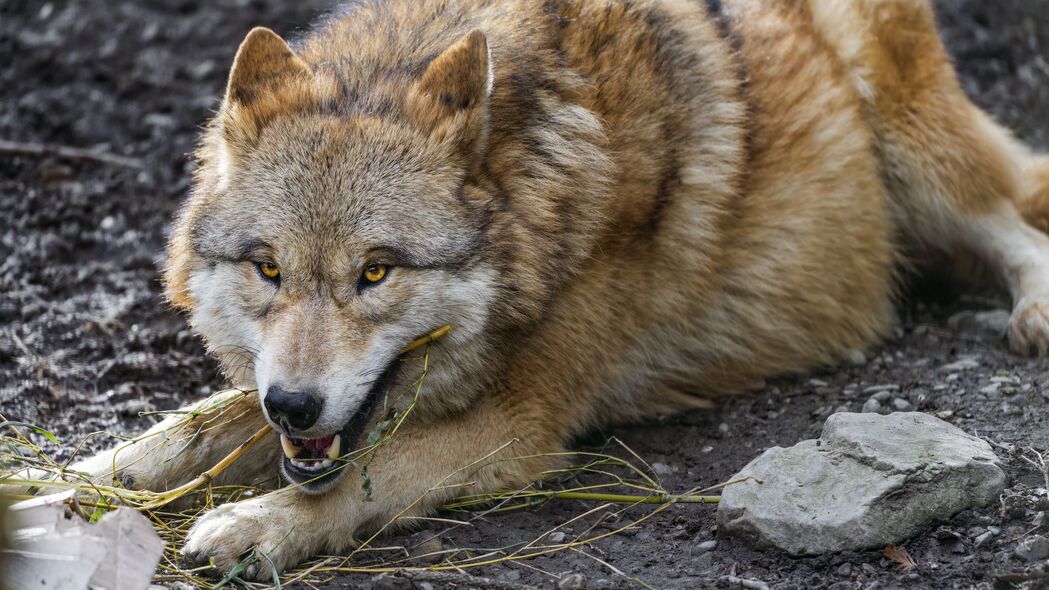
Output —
(290, 449)
(334, 448)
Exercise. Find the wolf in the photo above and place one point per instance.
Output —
(623, 208)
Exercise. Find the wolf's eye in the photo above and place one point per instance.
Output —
(374, 274)
(268, 270)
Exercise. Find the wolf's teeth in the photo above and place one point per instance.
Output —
(290, 449)
(312, 465)
(334, 448)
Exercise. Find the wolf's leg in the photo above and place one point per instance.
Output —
(960, 182)
(1035, 206)
(185, 444)
(493, 446)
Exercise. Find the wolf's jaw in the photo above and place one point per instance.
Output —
(315, 463)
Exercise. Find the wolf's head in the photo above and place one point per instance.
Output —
(318, 243)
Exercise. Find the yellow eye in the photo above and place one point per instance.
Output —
(269, 270)
(375, 273)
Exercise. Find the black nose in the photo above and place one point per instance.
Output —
(290, 408)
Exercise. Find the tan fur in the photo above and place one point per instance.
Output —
(627, 208)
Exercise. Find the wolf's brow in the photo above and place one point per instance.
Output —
(236, 252)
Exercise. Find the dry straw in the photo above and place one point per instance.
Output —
(611, 490)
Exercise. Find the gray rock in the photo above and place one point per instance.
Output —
(1034, 548)
(390, 582)
(871, 406)
(856, 358)
(557, 537)
(882, 396)
(868, 482)
(706, 546)
(966, 362)
(572, 582)
(901, 405)
(662, 469)
(993, 323)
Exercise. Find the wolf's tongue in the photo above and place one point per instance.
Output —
(316, 444)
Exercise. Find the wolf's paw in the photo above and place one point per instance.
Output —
(228, 534)
(1029, 327)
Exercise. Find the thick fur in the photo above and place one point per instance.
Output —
(625, 207)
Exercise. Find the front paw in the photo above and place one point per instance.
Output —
(1029, 327)
(259, 528)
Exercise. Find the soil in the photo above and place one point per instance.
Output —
(86, 342)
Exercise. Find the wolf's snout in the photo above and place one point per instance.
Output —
(294, 409)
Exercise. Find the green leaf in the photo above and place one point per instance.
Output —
(366, 484)
(97, 514)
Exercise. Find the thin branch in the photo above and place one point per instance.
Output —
(15, 148)
(459, 579)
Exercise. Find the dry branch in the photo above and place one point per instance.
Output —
(15, 148)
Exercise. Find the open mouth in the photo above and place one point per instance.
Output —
(315, 463)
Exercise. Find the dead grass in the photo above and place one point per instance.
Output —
(614, 494)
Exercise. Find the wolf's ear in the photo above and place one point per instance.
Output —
(450, 101)
(265, 76)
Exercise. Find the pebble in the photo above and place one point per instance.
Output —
(856, 358)
(662, 468)
(967, 362)
(871, 406)
(1035, 548)
(572, 582)
(882, 396)
(845, 570)
(557, 537)
(880, 388)
(868, 569)
(991, 390)
(706, 546)
(388, 582)
(902, 405)
(744, 582)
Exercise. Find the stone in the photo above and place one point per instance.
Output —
(662, 469)
(994, 323)
(901, 405)
(869, 481)
(1034, 548)
(855, 357)
(966, 362)
(882, 395)
(706, 546)
(572, 582)
(390, 582)
(871, 406)
(557, 537)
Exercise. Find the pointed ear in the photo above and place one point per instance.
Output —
(450, 101)
(263, 73)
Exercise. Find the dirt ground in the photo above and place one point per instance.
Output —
(86, 342)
